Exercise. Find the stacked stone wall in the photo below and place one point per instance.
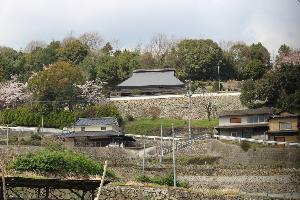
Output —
(130, 192)
(177, 106)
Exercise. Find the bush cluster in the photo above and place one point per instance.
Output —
(34, 140)
(161, 180)
(194, 160)
(59, 161)
(245, 145)
(31, 116)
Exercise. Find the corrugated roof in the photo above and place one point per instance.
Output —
(156, 77)
(96, 121)
(258, 111)
(91, 134)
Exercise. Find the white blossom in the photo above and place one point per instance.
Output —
(92, 92)
(13, 92)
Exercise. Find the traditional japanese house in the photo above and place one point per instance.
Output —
(150, 82)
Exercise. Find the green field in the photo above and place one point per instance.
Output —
(152, 126)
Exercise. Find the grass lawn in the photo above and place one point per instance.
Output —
(152, 126)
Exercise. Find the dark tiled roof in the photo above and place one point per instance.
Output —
(155, 77)
(285, 115)
(258, 111)
(96, 121)
(91, 134)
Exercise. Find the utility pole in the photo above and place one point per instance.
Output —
(7, 130)
(219, 77)
(190, 108)
(161, 142)
(144, 155)
(42, 123)
(174, 161)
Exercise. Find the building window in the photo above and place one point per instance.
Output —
(285, 125)
(263, 118)
(252, 119)
(82, 128)
(235, 120)
(103, 128)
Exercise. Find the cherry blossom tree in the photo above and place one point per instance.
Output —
(92, 92)
(13, 92)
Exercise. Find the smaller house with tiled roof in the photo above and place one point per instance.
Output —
(95, 132)
(150, 82)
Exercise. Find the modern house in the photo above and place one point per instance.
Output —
(250, 123)
(95, 132)
(284, 127)
(150, 82)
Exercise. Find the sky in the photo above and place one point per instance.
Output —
(133, 22)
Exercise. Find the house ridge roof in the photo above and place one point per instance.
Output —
(153, 77)
(258, 111)
(96, 121)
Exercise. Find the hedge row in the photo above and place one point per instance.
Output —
(29, 116)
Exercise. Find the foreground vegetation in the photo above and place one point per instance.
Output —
(57, 160)
(53, 117)
(161, 180)
(144, 126)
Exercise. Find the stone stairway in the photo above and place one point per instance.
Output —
(187, 143)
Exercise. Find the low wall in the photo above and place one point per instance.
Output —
(232, 155)
(141, 193)
(175, 106)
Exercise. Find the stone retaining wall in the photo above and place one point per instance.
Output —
(176, 106)
(232, 155)
(141, 193)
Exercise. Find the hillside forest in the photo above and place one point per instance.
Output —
(79, 72)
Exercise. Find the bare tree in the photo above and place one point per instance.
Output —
(33, 45)
(93, 39)
(69, 37)
(160, 44)
(208, 103)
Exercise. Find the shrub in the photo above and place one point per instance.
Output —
(245, 145)
(35, 140)
(61, 162)
(129, 118)
(162, 180)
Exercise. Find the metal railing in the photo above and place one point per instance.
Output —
(259, 141)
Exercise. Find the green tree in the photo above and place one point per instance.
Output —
(111, 69)
(249, 62)
(74, 51)
(57, 83)
(198, 59)
(278, 88)
(284, 50)
(259, 52)
(8, 66)
(147, 61)
(240, 55)
(107, 49)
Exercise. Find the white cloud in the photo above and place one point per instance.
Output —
(134, 21)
